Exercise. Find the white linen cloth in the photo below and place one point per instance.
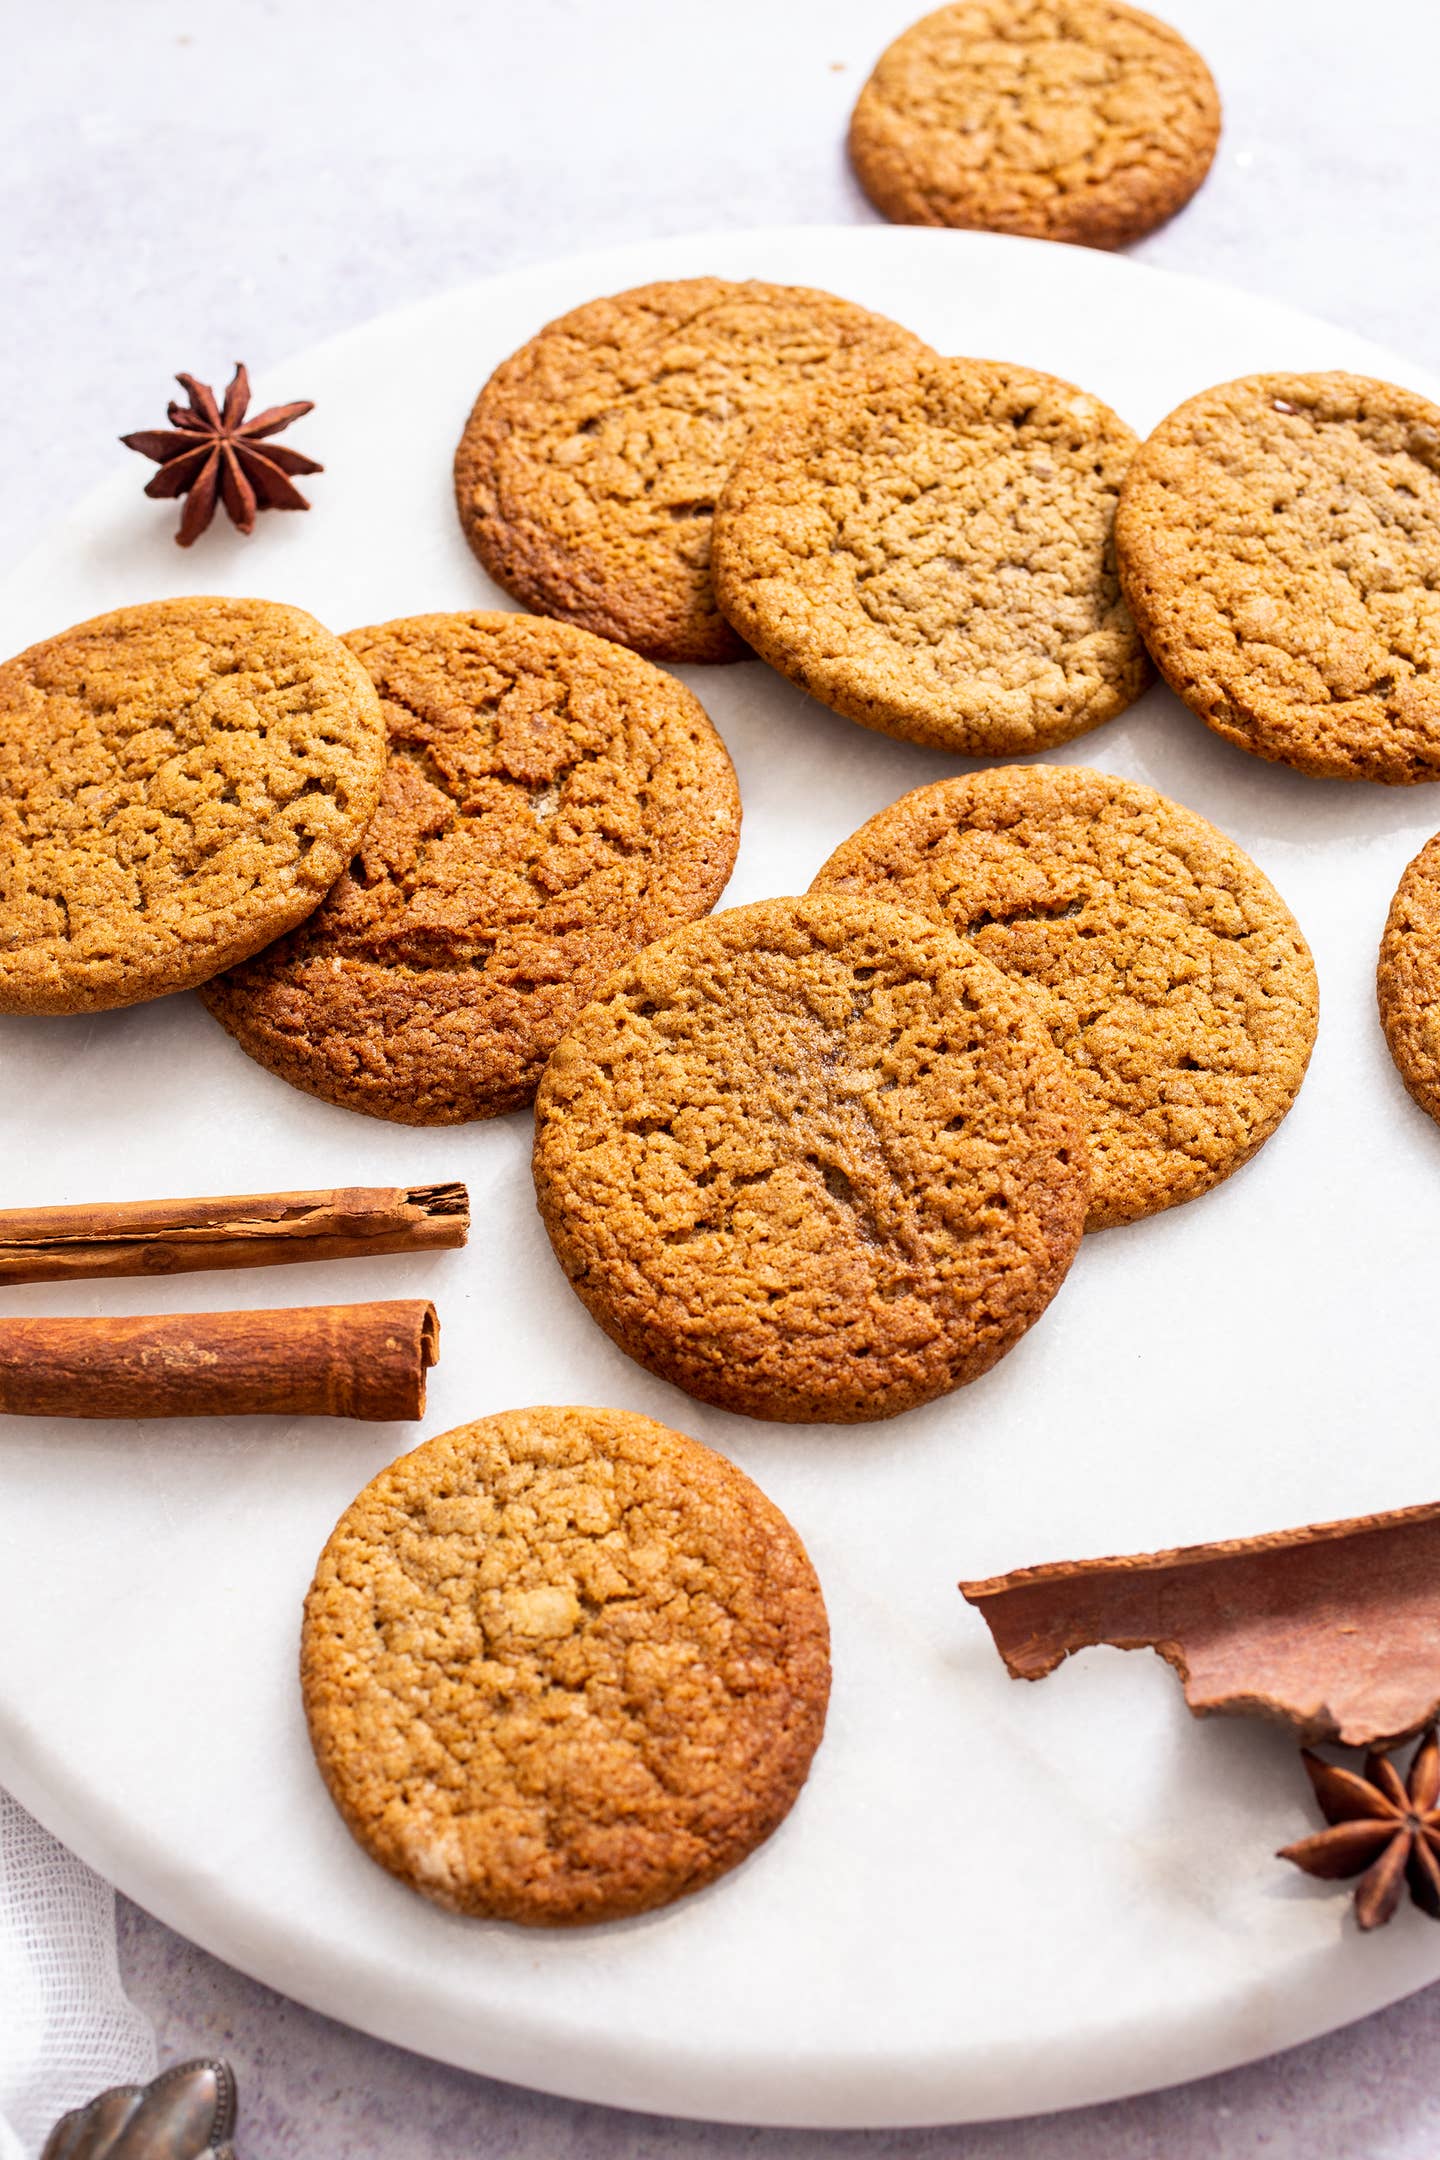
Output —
(67, 2027)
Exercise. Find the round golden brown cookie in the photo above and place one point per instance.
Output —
(588, 470)
(1170, 974)
(563, 1665)
(179, 783)
(814, 1159)
(551, 804)
(1408, 979)
(935, 557)
(1059, 119)
(1279, 544)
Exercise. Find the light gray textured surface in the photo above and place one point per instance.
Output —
(311, 2090)
(183, 184)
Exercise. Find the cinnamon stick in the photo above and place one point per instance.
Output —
(355, 1361)
(1332, 1629)
(175, 1237)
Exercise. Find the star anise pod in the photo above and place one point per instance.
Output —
(212, 453)
(1388, 1829)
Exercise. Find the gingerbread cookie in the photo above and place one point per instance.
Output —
(1279, 544)
(588, 470)
(813, 1159)
(1060, 119)
(563, 1665)
(179, 783)
(1166, 968)
(934, 557)
(1408, 979)
(551, 804)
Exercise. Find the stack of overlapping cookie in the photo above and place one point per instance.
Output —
(825, 1158)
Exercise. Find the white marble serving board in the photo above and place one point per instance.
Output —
(991, 1898)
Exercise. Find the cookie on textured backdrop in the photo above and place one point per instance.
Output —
(1059, 119)
(551, 804)
(935, 557)
(1279, 544)
(1408, 979)
(588, 470)
(563, 1665)
(1170, 974)
(813, 1160)
(179, 783)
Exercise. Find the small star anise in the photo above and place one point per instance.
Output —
(1389, 1830)
(212, 452)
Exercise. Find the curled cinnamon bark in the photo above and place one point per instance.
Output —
(1332, 1629)
(174, 1237)
(353, 1361)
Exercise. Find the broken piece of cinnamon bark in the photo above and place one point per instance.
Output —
(1332, 1629)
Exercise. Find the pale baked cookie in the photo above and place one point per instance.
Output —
(1408, 979)
(935, 556)
(588, 470)
(563, 1665)
(813, 1159)
(179, 783)
(1279, 544)
(1168, 971)
(1060, 119)
(551, 804)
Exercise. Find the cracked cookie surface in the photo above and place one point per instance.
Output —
(1279, 544)
(1408, 978)
(935, 557)
(588, 470)
(1076, 120)
(551, 803)
(179, 783)
(812, 1160)
(1166, 968)
(562, 1665)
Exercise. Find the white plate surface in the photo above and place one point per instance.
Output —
(991, 1898)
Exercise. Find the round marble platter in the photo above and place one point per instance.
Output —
(992, 1898)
